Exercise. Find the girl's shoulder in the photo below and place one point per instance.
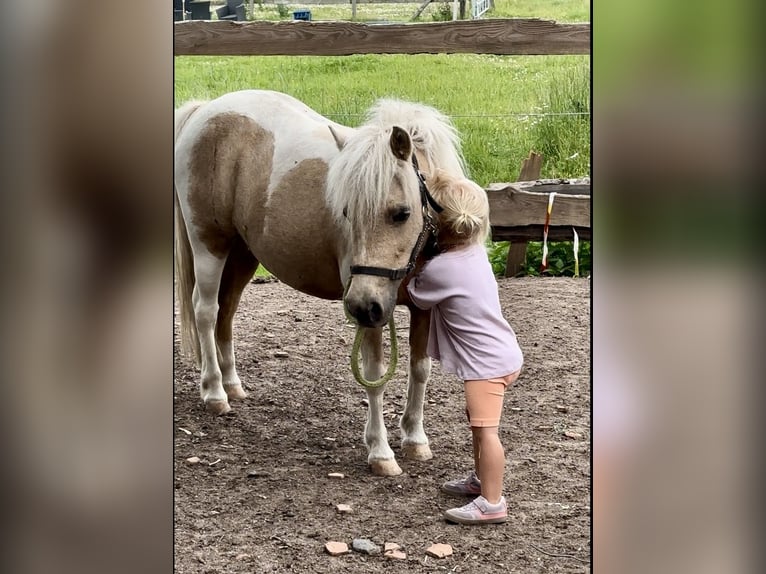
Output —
(468, 258)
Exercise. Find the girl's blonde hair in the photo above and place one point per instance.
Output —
(465, 218)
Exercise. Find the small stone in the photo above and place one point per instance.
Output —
(562, 408)
(344, 508)
(391, 546)
(257, 474)
(572, 434)
(439, 550)
(336, 548)
(193, 460)
(365, 546)
(241, 557)
(281, 354)
(336, 475)
(395, 554)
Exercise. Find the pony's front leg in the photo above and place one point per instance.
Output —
(414, 439)
(380, 456)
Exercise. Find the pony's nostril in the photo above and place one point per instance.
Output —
(366, 314)
(375, 312)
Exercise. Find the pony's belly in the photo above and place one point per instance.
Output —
(313, 274)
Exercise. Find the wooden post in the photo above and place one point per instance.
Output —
(419, 11)
(530, 167)
(517, 255)
(517, 251)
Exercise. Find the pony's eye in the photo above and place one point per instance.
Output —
(345, 212)
(400, 214)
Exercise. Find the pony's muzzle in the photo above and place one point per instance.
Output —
(367, 313)
(369, 300)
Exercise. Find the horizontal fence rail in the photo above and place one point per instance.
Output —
(519, 36)
(518, 210)
(517, 213)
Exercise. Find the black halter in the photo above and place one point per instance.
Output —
(429, 228)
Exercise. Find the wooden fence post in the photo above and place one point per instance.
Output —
(517, 250)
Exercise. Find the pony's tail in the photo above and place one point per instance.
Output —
(184, 259)
(184, 271)
(184, 113)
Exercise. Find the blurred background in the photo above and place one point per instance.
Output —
(87, 304)
(87, 300)
(677, 96)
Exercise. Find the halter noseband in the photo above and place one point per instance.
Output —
(429, 228)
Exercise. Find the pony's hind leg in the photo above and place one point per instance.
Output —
(208, 270)
(414, 439)
(237, 273)
(380, 456)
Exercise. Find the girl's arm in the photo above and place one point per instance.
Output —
(426, 287)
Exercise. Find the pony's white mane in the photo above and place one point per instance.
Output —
(360, 176)
(431, 131)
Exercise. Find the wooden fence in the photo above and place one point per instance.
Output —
(526, 36)
(518, 210)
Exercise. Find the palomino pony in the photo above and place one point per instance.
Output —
(260, 177)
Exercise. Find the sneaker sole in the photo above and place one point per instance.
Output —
(472, 521)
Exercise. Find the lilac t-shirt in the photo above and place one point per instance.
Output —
(468, 335)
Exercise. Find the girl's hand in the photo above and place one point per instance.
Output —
(431, 249)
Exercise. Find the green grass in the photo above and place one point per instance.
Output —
(494, 101)
(560, 10)
(491, 99)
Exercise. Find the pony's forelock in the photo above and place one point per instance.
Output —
(360, 176)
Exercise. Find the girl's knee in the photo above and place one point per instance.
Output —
(485, 432)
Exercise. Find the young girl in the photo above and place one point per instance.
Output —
(470, 337)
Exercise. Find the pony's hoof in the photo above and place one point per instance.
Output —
(235, 392)
(385, 468)
(217, 407)
(417, 452)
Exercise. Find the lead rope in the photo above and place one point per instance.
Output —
(388, 375)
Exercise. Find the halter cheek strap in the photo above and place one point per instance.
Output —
(424, 189)
(429, 228)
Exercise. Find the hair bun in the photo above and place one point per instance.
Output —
(466, 223)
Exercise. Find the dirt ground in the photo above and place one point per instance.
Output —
(261, 500)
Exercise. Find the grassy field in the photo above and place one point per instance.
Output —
(560, 10)
(503, 106)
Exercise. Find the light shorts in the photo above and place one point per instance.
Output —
(484, 399)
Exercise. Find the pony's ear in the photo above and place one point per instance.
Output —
(339, 141)
(401, 144)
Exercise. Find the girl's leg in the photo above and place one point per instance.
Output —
(491, 462)
(476, 451)
(484, 405)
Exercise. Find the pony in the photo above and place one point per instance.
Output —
(332, 211)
